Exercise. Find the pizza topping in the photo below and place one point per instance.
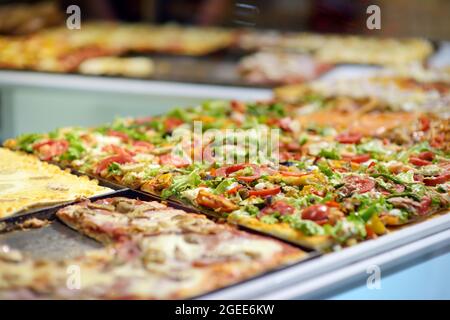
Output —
(349, 137)
(265, 192)
(419, 162)
(215, 202)
(174, 160)
(317, 213)
(122, 135)
(361, 158)
(51, 148)
(120, 159)
(279, 207)
(357, 184)
(437, 180)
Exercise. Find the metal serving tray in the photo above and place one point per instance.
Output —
(58, 241)
(332, 272)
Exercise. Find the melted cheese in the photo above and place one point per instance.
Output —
(26, 182)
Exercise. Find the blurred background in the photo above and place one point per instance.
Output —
(399, 17)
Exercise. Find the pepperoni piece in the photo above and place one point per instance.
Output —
(361, 185)
(349, 137)
(318, 213)
(280, 206)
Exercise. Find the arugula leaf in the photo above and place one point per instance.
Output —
(25, 141)
(223, 186)
(114, 169)
(182, 183)
(307, 227)
(329, 154)
(75, 149)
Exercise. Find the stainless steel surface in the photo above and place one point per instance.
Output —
(135, 86)
(341, 279)
(55, 241)
(329, 263)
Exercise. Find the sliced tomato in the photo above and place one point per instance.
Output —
(174, 160)
(122, 135)
(171, 123)
(256, 174)
(426, 155)
(362, 185)
(317, 212)
(265, 192)
(360, 158)
(349, 137)
(280, 206)
(121, 159)
(143, 146)
(443, 178)
(226, 171)
(51, 148)
(418, 162)
(113, 148)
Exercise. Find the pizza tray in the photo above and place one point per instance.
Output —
(57, 241)
(41, 212)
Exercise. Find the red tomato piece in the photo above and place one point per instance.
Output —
(256, 174)
(418, 162)
(143, 146)
(122, 135)
(443, 178)
(174, 160)
(121, 159)
(426, 155)
(171, 123)
(51, 148)
(317, 212)
(349, 137)
(360, 158)
(265, 192)
(424, 123)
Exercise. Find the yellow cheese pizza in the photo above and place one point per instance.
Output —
(26, 182)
